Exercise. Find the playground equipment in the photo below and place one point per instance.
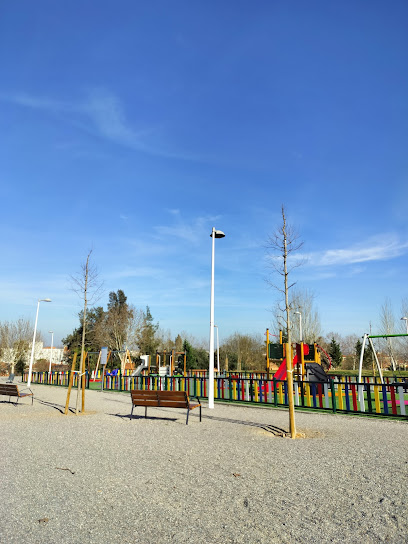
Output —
(165, 362)
(143, 365)
(109, 354)
(306, 361)
(370, 342)
(315, 373)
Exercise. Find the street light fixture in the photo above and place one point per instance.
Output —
(214, 234)
(300, 326)
(52, 345)
(406, 322)
(30, 368)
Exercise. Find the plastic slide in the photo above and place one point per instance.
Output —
(139, 369)
(280, 374)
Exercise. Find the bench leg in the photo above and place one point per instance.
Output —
(131, 413)
(188, 411)
(145, 412)
(200, 413)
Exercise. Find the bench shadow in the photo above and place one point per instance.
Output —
(10, 402)
(57, 407)
(276, 431)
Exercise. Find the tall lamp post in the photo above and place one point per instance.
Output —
(300, 326)
(406, 322)
(52, 345)
(218, 350)
(30, 368)
(214, 234)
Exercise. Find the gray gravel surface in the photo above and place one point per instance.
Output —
(101, 478)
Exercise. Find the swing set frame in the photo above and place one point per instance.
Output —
(368, 337)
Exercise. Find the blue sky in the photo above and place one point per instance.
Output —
(132, 128)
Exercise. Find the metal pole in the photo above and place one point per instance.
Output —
(267, 354)
(300, 327)
(52, 344)
(360, 365)
(214, 234)
(376, 359)
(211, 363)
(30, 368)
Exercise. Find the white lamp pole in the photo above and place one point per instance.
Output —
(406, 322)
(30, 368)
(214, 234)
(218, 350)
(300, 326)
(52, 345)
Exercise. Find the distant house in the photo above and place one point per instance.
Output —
(45, 352)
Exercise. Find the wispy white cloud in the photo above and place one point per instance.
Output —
(378, 248)
(178, 231)
(102, 114)
(107, 116)
(191, 231)
(136, 272)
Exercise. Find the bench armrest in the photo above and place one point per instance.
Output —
(25, 389)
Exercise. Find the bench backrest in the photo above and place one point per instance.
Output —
(170, 399)
(147, 398)
(10, 389)
(173, 399)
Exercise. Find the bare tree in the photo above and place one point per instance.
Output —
(15, 340)
(300, 301)
(280, 247)
(244, 350)
(387, 326)
(88, 287)
(403, 329)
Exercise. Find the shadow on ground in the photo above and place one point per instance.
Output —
(276, 431)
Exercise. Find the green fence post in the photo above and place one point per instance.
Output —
(369, 403)
(275, 392)
(333, 394)
(302, 393)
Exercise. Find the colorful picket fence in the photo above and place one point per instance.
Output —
(388, 399)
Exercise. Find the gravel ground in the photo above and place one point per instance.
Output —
(101, 478)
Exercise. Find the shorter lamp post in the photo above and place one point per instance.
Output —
(30, 368)
(406, 322)
(52, 345)
(300, 326)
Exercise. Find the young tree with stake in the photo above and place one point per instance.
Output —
(280, 247)
(89, 288)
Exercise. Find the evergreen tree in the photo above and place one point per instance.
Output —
(335, 353)
(148, 342)
(73, 340)
(367, 357)
(190, 355)
(20, 366)
(178, 343)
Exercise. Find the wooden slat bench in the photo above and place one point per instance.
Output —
(12, 390)
(163, 399)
